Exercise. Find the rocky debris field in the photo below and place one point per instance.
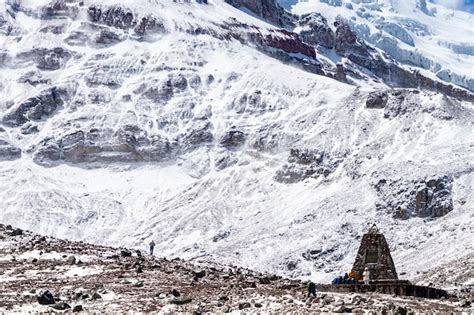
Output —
(44, 274)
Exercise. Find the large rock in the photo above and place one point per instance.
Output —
(61, 306)
(77, 309)
(180, 300)
(45, 298)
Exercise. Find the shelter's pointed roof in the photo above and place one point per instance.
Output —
(373, 229)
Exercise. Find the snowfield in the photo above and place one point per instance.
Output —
(218, 151)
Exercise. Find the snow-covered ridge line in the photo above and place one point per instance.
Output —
(417, 34)
(314, 29)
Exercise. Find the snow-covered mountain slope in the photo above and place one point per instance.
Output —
(206, 128)
(430, 37)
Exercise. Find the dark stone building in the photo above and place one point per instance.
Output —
(374, 254)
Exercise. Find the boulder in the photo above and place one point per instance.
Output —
(61, 306)
(199, 273)
(400, 310)
(96, 296)
(16, 232)
(77, 309)
(71, 260)
(45, 298)
(181, 300)
(264, 280)
(175, 293)
(244, 305)
(125, 253)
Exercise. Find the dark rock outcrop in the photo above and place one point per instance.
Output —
(304, 164)
(270, 10)
(29, 128)
(128, 144)
(58, 9)
(283, 40)
(46, 58)
(340, 74)
(232, 138)
(124, 18)
(347, 44)
(316, 31)
(377, 99)
(35, 108)
(421, 198)
(8, 151)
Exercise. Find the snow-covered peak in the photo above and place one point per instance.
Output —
(416, 33)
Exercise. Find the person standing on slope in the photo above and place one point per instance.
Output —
(311, 289)
(152, 247)
(366, 275)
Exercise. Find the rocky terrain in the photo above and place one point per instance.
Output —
(238, 132)
(44, 274)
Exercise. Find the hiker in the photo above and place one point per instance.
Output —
(346, 278)
(341, 280)
(152, 247)
(311, 288)
(366, 275)
(354, 275)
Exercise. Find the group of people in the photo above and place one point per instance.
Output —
(353, 278)
(348, 278)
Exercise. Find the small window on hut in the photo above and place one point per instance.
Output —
(371, 256)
